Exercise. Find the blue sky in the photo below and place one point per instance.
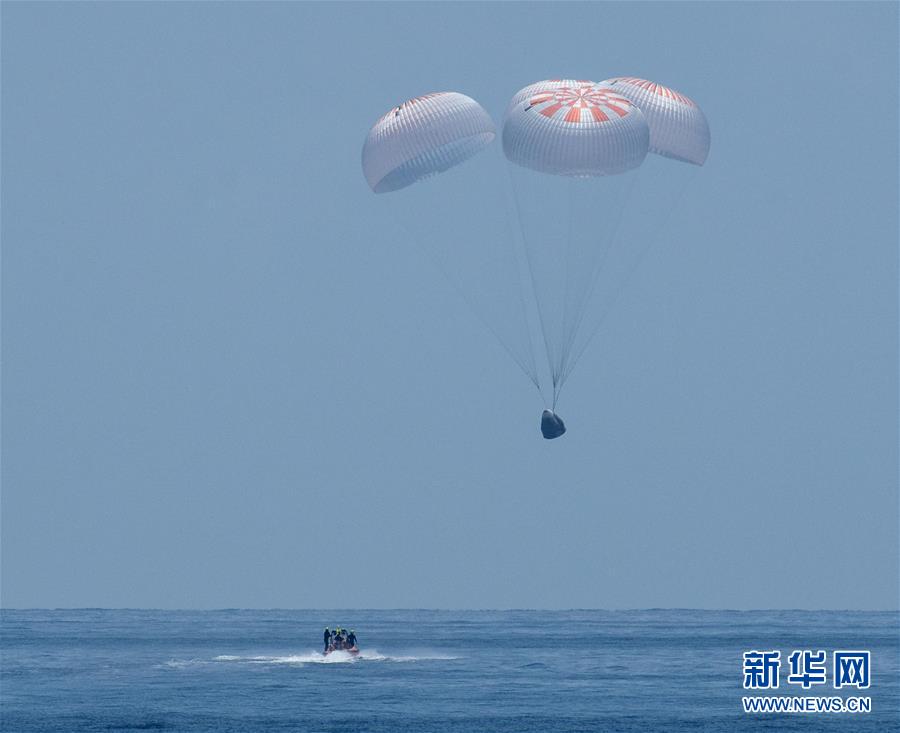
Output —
(229, 382)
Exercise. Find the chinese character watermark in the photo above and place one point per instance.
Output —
(807, 668)
(761, 670)
(851, 669)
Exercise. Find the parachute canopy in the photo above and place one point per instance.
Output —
(678, 127)
(574, 129)
(422, 137)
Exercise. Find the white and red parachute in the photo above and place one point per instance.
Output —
(422, 137)
(678, 127)
(578, 130)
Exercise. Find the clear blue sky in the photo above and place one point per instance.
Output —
(214, 342)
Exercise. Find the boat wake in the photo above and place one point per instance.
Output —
(336, 657)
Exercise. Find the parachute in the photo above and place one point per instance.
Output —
(573, 148)
(572, 151)
(415, 154)
(422, 137)
(678, 127)
(578, 131)
(679, 135)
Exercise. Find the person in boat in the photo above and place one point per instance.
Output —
(327, 639)
(351, 639)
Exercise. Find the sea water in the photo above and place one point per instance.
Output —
(442, 671)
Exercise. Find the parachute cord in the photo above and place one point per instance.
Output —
(520, 290)
(582, 299)
(531, 374)
(534, 286)
(651, 241)
(558, 367)
(594, 279)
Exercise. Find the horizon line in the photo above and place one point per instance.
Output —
(448, 609)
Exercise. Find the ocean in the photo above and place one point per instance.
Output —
(420, 670)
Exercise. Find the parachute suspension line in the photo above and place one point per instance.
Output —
(585, 300)
(558, 367)
(648, 245)
(520, 291)
(534, 287)
(530, 373)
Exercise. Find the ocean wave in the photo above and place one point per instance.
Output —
(183, 663)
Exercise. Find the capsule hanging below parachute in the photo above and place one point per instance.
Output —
(574, 130)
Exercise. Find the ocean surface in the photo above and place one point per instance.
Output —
(442, 671)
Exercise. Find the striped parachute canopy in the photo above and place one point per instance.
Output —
(678, 127)
(544, 86)
(422, 137)
(574, 128)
